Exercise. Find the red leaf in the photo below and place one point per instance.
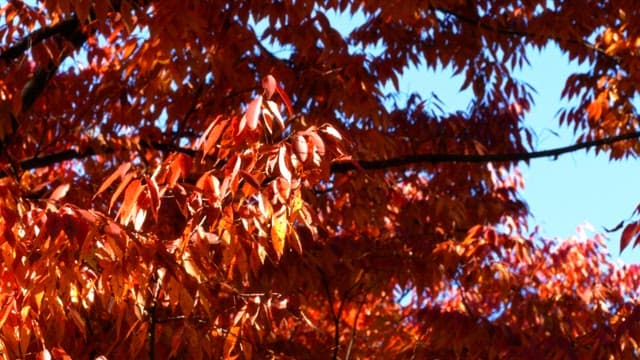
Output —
(269, 85)
(628, 233)
(285, 98)
(180, 167)
(154, 194)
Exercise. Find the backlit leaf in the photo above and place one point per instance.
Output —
(253, 112)
(269, 85)
(278, 232)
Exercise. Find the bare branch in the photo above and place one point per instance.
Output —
(346, 165)
(342, 166)
(525, 34)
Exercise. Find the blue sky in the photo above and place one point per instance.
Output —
(573, 190)
(576, 189)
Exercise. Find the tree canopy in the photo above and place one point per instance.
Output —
(237, 179)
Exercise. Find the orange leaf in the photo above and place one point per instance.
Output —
(121, 187)
(116, 174)
(154, 194)
(250, 179)
(317, 141)
(6, 310)
(213, 135)
(129, 203)
(60, 192)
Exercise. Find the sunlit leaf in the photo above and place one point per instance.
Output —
(278, 232)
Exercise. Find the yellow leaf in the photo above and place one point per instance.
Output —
(278, 231)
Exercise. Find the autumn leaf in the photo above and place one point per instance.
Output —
(630, 231)
(253, 112)
(278, 231)
(403, 222)
(269, 85)
(120, 171)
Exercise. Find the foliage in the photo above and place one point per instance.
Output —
(172, 187)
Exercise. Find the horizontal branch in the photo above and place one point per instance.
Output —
(346, 165)
(66, 155)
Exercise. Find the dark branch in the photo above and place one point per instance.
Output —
(48, 160)
(347, 165)
(65, 28)
(69, 30)
(521, 33)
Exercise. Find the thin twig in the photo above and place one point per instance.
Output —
(335, 317)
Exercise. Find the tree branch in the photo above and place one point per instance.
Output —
(346, 165)
(65, 28)
(342, 166)
(520, 33)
